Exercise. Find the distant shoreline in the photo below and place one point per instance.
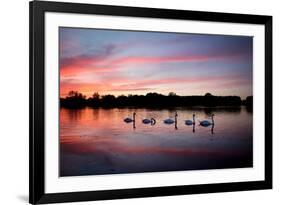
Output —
(153, 100)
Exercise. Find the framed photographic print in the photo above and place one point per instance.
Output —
(140, 102)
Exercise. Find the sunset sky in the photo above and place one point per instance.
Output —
(133, 62)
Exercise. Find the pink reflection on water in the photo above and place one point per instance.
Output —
(101, 137)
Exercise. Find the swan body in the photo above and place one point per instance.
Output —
(190, 122)
(206, 123)
(146, 121)
(128, 119)
(151, 121)
(171, 121)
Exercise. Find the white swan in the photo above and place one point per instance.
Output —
(151, 121)
(191, 122)
(206, 123)
(128, 119)
(171, 121)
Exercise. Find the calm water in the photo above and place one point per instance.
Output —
(98, 141)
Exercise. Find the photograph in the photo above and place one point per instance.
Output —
(133, 101)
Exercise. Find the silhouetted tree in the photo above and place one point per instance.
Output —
(74, 99)
(96, 96)
(172, 94)
(94, 100)
(208, 95)
(248, 102)
(153, 99)
(108, 100)
(72, 93)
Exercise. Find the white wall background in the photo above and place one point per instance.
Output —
(14, 44)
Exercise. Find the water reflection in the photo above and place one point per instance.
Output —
(98, 141)
(211, 130)
(193, 128)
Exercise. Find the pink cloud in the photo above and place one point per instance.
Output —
(182, 80)
(125, 84)
(169, 59)
(99, 64)
(75, 70)
(105, 67)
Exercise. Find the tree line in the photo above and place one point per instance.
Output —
(74, 99)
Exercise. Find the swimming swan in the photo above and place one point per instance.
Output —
(128, 119)
(191, 122)
(151, 121)
(206, 123)
(171, 121)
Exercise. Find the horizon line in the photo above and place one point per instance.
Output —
(87, 97)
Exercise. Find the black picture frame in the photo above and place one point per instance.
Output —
(37, 10)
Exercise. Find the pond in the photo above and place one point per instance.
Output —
(98, 141)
